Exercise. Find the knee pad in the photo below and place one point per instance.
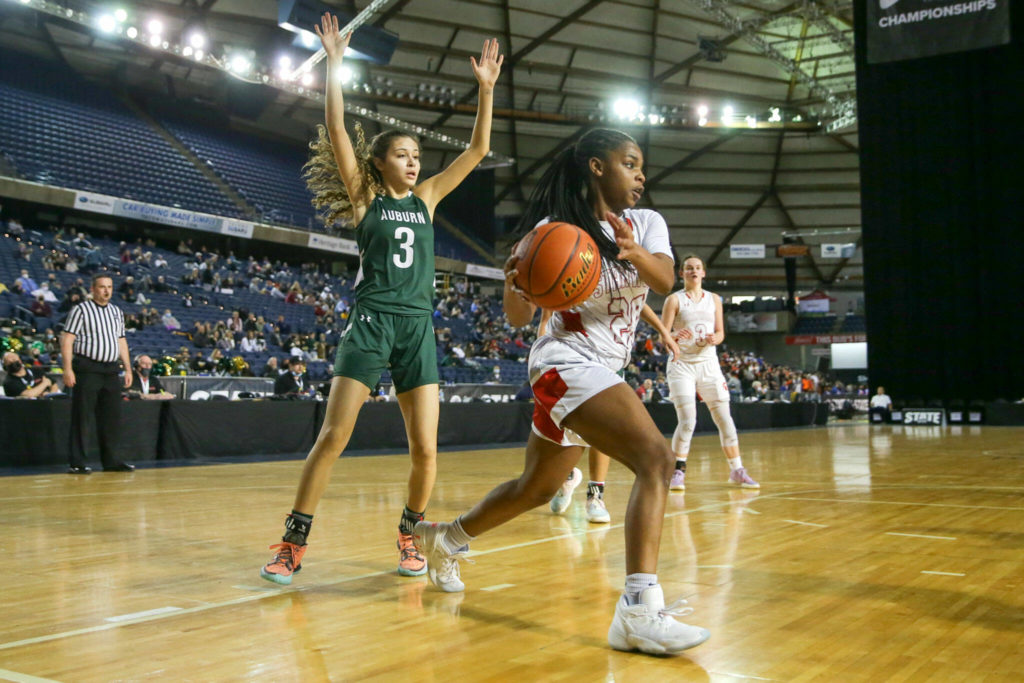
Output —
(723, 420)
(686, 412)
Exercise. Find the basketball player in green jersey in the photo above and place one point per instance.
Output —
(374, 187)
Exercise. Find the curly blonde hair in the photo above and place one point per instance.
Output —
(330, 196)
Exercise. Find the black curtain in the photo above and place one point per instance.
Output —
(942, 197)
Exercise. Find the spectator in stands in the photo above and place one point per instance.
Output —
(293, 382)
(271, 369)
(21, 382)
(881, 404)
(223, 340)
(235, 323)
(128, 290)
(169, 322)
(250, 344)
(41, 308)
(735, 387)
(72, 299)
(45, 293)
(14, 228)
(200, 335)
(159, 261)
(146, 385)
(162, 287)
(371, 187)
(25, 283)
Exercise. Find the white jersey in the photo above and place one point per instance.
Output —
(699, 318)
(605, 324)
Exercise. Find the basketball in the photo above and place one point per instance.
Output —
(559, 266)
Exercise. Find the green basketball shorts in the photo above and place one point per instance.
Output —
(375, 341)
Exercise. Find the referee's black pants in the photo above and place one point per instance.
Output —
(97, 391)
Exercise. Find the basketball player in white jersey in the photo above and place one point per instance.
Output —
(695, 318)
(580, 399)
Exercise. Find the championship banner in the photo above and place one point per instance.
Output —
(907, 29)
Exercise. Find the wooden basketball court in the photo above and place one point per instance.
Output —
(871, 553)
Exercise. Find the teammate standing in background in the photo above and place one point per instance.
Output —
(374, 186)
(695, 318)
(580, 398)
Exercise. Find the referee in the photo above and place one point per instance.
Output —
(92, 342)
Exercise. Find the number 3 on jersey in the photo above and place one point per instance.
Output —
(405, 237)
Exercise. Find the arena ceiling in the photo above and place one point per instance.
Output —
(566, 64)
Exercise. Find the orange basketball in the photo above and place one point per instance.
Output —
(559, 266)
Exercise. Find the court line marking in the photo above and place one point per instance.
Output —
(795, 521)
(23, 678)
(896, 502)
(937, 538)
(713, 566)
(925, 571)
(498, 587)
(326, 584)
(145, 613)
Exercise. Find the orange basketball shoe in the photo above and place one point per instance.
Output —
(286, 562)
(410, 562)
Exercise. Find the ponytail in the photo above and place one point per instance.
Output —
(561, 192)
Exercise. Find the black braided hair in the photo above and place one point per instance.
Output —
(561, 193)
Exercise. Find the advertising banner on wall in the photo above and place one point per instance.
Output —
(485, 271)
(907, 29)
(328, 243)
(746, 251)
(165, 215)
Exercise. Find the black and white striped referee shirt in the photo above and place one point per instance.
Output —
(96, 329)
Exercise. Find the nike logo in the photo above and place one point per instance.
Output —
(886, 4)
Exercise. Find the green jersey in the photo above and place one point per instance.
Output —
(396, 256)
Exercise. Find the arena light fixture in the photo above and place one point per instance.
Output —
(345, 74)
(121, 15)
(155, 27)
(702, 121)
(702, 111)
(727, 113)
(186, 51)
(255, 74)
(776, 115)
(751, 121)
(307, 79)
(197, 40)
(626, 108)
(240, 64)
(107, 23)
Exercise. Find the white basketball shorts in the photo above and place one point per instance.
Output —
(563, 377)
(705, 378)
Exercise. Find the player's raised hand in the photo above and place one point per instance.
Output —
(489, 66)
(330, 36)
